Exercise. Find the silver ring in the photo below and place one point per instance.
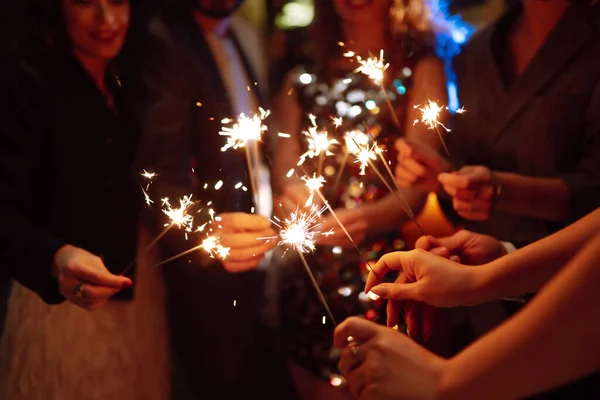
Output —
(78, 290)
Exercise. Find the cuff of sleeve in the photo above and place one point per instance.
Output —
(509, 247)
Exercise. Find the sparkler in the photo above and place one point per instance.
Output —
(319, 144)
(245, 133)
(430, 114)
(211, 245)
(300, 232)
(314, 185)
(366, 156)
(177, 217)
(374, 68)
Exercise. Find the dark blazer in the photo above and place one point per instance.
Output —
(220, 350)
(66, 172)
(545, 124)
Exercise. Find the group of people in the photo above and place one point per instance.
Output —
(98, 91)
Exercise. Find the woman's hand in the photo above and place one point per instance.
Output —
(472, 191)
(419, 166)
(354, 221)
(386, 364)
(83, 278)
(245, 235)
(427, 278)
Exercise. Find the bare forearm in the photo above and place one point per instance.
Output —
(551, 342)
(528, 269)
(543, 198)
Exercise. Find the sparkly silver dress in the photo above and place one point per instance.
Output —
(341, 273)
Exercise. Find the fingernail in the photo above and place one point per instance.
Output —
(407, 332)
(380, 290)
(128, 284)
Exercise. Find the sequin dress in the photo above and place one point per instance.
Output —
(341, 273)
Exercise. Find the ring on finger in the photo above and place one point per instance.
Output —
(78, 290)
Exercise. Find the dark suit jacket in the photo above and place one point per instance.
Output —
(65, 172)
(546, 124)
(220, 349)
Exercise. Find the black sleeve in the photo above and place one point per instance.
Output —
(166, 112)
(26, 250)
(584, 181)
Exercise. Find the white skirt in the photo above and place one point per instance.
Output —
(63, 352)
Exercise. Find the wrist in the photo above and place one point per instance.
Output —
(448, 388)
(478, 285)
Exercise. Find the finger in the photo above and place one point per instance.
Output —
(244, 221)
(390, 261)
(414, 167)
(398, 291)
(464, 194)
(441, 252)
(243, 239)
(98, 292)
(394, 308)
(393, 311)
(350, 360)
(95, 272)
(453, 180)
(404, 177)
(356, 230)
(424, 242)
(479, 206)
(404, 148)
(357, 381)
(412, 317)
(358, 328)
(428, 319)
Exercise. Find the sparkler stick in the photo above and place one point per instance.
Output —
(430, 117)
(211, 245)
(338, 178)
(400, 198)
(251, 175)
(315, 184)
(317, 288)
(299, 232)
(375, 68)
(244, 130)
(177, 216)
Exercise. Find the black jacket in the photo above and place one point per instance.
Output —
(66, 174)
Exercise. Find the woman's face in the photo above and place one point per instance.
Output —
(97, 28)
(363, 10)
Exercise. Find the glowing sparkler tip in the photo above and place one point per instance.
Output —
(245, 129)
(148, 175)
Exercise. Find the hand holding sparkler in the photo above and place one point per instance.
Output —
(355, 223)
(79, 271)
(240, 233)
(419, 165)
(473, 190)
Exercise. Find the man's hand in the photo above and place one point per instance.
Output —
(472, 191)
(419, 166)
(245, 235)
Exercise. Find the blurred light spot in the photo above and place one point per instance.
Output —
(354, 111)
(336, 250)
(345, 291)
(406, 71)
(370, 104)
(336, 381)
(305, 78)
